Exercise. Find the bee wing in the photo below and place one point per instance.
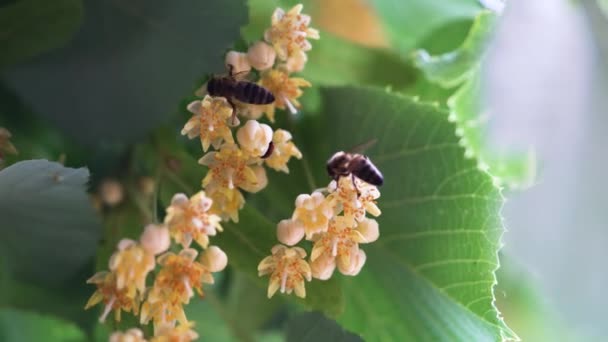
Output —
(360, 148)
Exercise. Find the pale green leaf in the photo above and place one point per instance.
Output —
(408, 22)
(48, 227)
(452, 68)
(29, 27)
(128, 67)
(430, 276)
(21, 326)
(314, 327)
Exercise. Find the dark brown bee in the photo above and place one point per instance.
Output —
(343, 164)
(232, 88)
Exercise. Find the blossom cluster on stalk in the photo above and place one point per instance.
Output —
(237, 162)
(334, 220)
(154, 277)
(124, 286)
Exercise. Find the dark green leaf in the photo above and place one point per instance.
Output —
(129, 65)
(29, 27)
(18, 326)
(314, 327)
(49, 229)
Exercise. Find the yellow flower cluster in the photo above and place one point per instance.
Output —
(123, 287)
(6, 147)
(237, 162)
(336, 224)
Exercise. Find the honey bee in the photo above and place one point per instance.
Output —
(232, 88)
(343, 164)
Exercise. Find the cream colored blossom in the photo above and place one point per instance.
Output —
(284, 149)
(113, 298)
(210, 122)
(180, 333)
(179, 277)
(296, 62)
(261, 55)
(314, 211)
(239, 62)
(287, 269)
(341, 241)
(190, 219)
(323, 267)
(131, 335)
(261, 180)
(229, 168)
(290, 232)
(285, 89)
(131, 264)
(254, 138)
(354, 202)
(227, 203)
(289, 32)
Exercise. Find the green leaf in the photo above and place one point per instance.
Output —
(430, 276)
(128, 67)
(408, 22)
(29, 27)
(49, 229)
(452, 68)
(314, 327)
(17, 326)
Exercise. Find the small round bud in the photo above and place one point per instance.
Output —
(369, 229)
(254, 137)
(261, 180)
(214, 259)
(356, 264)
(296, 62)
(239, 62)
(261, 55)
(323, 267)
(290, 232)
(111, 192)
(155, 239)
(147, 185)
(180, 200)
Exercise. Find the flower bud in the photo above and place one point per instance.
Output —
(261, 55)
(155, 239)
(254, 138)
(296, 62)
(290, 232)
(239, 62)
(323, 267)
(214, 259)
(111, 192)
(261, 180)
(356, 264)
(369, 229)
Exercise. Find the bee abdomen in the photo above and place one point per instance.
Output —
(364, 169)
(249, 92)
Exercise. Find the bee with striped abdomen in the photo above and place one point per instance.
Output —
(343, 164)
(231, 88)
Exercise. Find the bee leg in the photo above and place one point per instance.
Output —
(233, 118)
(352, 177)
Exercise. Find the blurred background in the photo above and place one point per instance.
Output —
(544, 88)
